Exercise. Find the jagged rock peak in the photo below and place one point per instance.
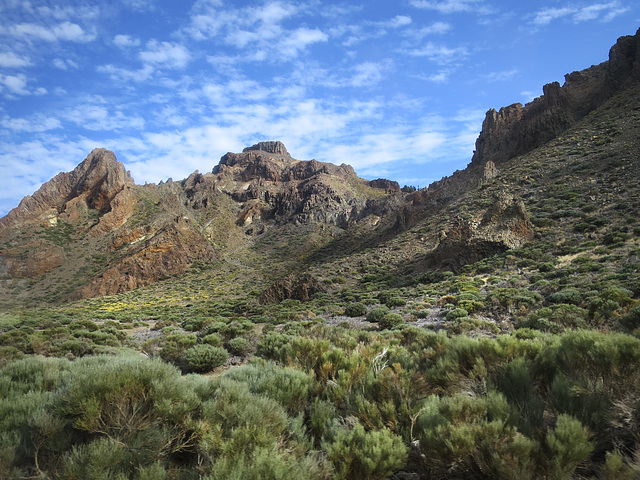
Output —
(517, 129)
(95, 182)
(274, 147)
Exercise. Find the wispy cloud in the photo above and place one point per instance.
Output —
(39, 124)
(95, 117)
(125, 41)
(598, 11)
(165, 54)
(449, 6)
(11, 60)
(64, 64)
(17, 85)
(66, 31)
(439, 53)
(501, 76)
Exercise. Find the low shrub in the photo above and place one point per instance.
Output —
(356, 309)
(390, 320)
(204, 358)
(376, 314)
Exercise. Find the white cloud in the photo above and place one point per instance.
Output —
(66, 31)
(501, 76)
(437, 28)
(64, 64)
(598, 11)
(125, 75)
(398, 21)
(14, 84)
(167, 54)
(448, 6)
(546, 16)
(40, 124)
(125, 41)
(272, 12)
(368, 73)
(99, 118)
(11, 60)
(438, 53)
(299, 40)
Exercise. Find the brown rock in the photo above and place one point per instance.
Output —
(168, 252)
(31, 260)
(301, 288)
(93, 184)
(517, 129)
(504, 225)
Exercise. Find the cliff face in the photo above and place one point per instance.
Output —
(518, 129)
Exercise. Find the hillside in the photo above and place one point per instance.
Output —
(487, 326)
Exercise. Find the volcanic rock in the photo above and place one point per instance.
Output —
(503, 226)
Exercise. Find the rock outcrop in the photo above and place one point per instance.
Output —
(168, 252)
(293, 287)
(30, 260)
(273, 186)
(503, 226)
(517, 129)
(99, 183)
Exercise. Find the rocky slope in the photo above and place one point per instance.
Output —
(147, 233)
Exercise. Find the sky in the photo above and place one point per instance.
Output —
(397, 89)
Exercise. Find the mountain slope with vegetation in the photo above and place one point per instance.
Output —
(280, 318)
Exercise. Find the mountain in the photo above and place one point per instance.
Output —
(145, 233)
(487, 326)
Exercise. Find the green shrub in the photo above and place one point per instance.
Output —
(395, 302)
(239, 345)
(357, 454)
(390, 320)
(204, 358)
(288, 386)
(356, 309)
(567, 295)
(376, 314)
(213, 339)
(455, 314)
(568, 446)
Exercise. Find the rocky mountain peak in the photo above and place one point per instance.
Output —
(275, 147)
(93, 184)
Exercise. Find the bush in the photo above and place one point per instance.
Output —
(356, 309)
(288, 386)
(239, 345)
(213, 339)
(568, 446)
(395, 302)
(456, 313)
(358, 454)
(376, 314)
(567, 295)
(390, 320)
(204, 358)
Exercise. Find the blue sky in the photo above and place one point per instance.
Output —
(398, 89)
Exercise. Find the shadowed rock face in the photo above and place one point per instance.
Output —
(504, 225)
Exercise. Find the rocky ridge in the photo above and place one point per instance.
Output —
(147, 233)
